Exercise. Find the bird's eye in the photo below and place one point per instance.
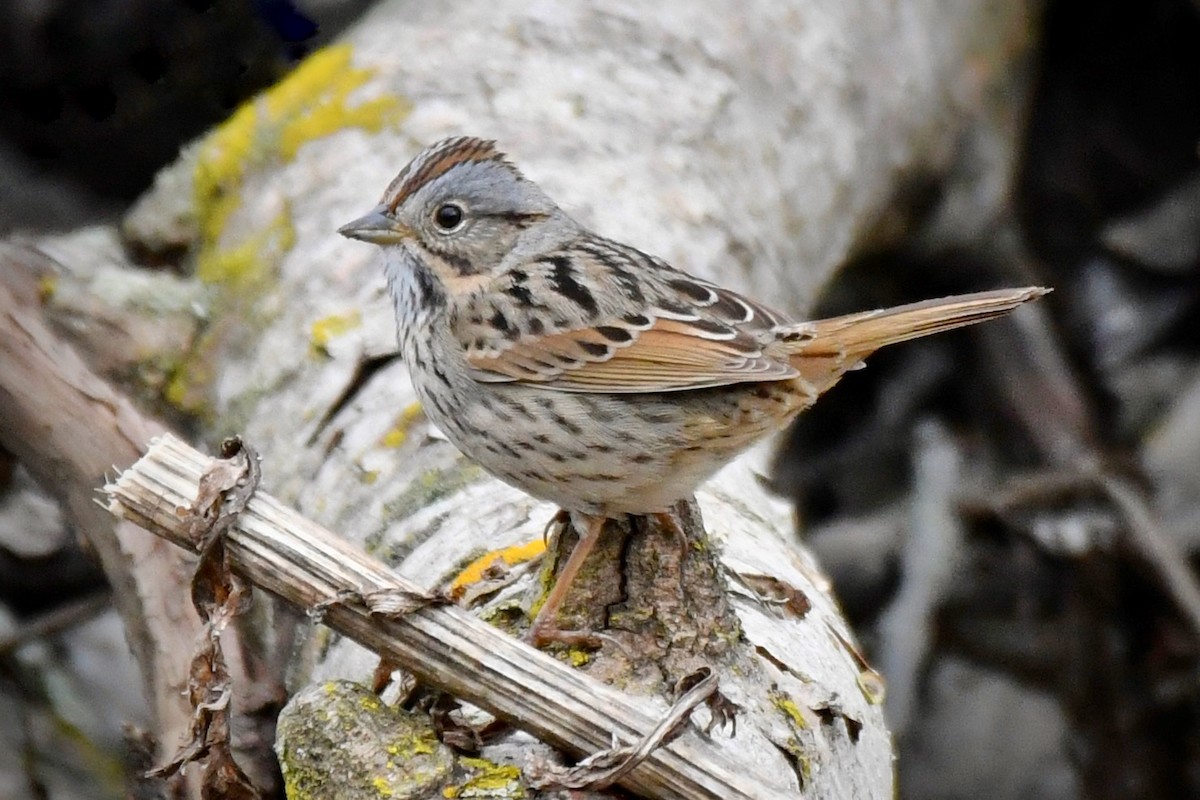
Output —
(448, 216)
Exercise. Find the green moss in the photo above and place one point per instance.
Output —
(506, 616)
(545, 582)
(395, 552)
(424, 490)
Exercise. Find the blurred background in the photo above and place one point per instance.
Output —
(1044, 644)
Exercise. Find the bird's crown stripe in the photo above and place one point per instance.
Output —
(438, 162)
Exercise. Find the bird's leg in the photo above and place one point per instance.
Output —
(545, 626)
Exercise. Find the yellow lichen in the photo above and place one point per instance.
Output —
(326, 329)
(242, 272)
(382, 786)
(801, 762)
(47, 286)
(510, 556)
(329, 75)
(178, 389)
(792, 745)
(423, 745)
(310, 103)
(223, 160)
(398, 433)
(187, 380)
(241, 261)
(489, 780)
(247, 267)
(578, 658)
(789, 707)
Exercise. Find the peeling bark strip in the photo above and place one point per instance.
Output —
(218, 595)
(443, 646)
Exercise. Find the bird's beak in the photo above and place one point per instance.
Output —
(377, 227)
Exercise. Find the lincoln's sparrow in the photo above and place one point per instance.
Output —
(584, 371)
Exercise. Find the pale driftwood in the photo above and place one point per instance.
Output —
(444, 646)
(69, 428)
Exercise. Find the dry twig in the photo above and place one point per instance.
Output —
(443, 646)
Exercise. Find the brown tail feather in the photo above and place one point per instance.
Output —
(855, 336)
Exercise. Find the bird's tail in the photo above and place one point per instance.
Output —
(824, 349)
(865, 332)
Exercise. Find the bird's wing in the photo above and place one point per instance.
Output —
(602, 317)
